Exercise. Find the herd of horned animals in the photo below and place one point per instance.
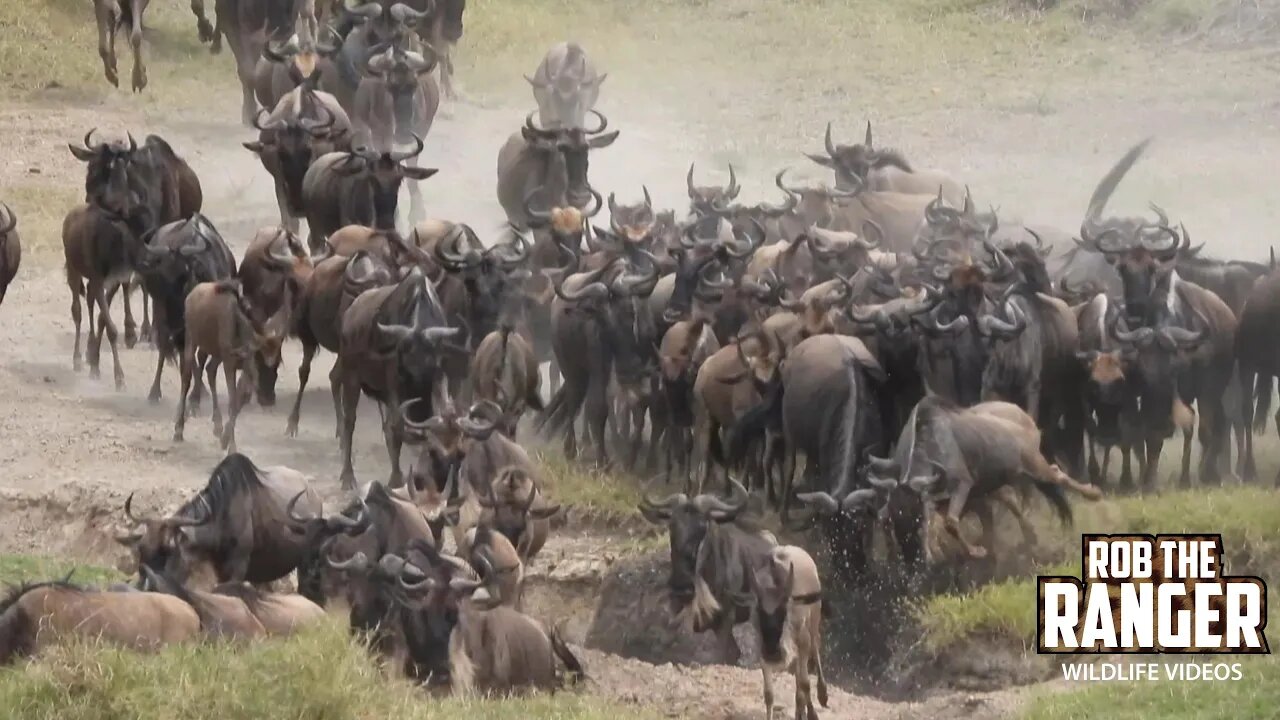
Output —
(922, 360)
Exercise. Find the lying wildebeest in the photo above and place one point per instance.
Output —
(113, 16)
(550, 165)
(10, 249)
(494, 648)
(788, 595)
(220, 327)
(565, 86)
(38, 615)
(714, 545)
(280, 614)
(235, 529)
(396, 104)
(883, 169)
(222, 617)
(173, 260)
(360, 187)
(962, 457)
(392, 340)
(305, 125)
(100, 256)
(272, 273)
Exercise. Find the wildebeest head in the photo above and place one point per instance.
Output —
(400, 72)
(853, 163)
(415, 337)
(1145, 254)
(1156, 356)
(381, 175)
(108, 183)
(509, 503)
(959, 232)
(701, 276)
(184, 253)
(1105, 369)
(155, 542)
(566, 86)
(711, 199)
(392, 23)
(839, 251)
(493, 278)
(633, 222)
(319, 535)
(290, 142)
(813, 206)
(687, 521)
(573, 146)
(302, 52)
(450, 433)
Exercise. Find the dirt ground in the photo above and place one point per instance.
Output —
(72, 447)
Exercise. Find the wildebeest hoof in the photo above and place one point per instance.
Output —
(291, 430)
(112, 76)
(139, 78)
(119, 382)
(154, 397)
(130, 337)
(218, 429)
(77, 364)
(95, 372)
(348, 480)
(206, 29)
(216, 47)
(177, 436)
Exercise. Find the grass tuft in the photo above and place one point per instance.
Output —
(320, 673)
(18, 569)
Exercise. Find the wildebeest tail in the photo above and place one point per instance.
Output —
(576, 673)
(1057, 499)
(1109, 182)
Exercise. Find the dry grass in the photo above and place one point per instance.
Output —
(42, 207)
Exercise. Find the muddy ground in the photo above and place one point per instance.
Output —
(72, 447)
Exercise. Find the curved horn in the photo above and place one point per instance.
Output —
(128, 503)
(318, 127)
(289, 509)
(993, 326)
(737, 500)
(732, 191)
(11, 222)
(777, 180)
(604, 123)
(357, 562)
(831, 146)
(599, 203)
(688, 180)
(399, 157)
(648, 202)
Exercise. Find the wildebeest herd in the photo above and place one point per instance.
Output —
(911, 356)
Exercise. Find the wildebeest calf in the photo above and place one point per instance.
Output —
(789, 619)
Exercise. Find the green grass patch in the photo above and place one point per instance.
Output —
(17, 569)
(320, 673)
(1255, 695)
(54, 44)
(1247, 517)
(589, 493)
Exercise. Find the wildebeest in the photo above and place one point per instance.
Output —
(883, 169)
(280, 614)
(359, 187)
(145, 186)
(113, 16)
(962, 457)
(711, 199)
(395, 104)
(504, 370)
(541, 169)
(220, 327)
(10, 249)
(235, 529)
(222, 617)
(174, 259)
(38, 615)
(494, 648)
(789, 599)
(714, 547)
(272, 273)
(391, 344)
(305, 125)
(1258, 356)
(248, 26)
(565, 86)
(100, 257)
(445, 30)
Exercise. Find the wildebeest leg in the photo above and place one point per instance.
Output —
(730, 653)
(800, 671)
(638, 414)
(787, 479)
(106, 15)
(135, 41)
(1249, 382)
(239, 391)
(304, 373)
(391, 431)
(130, 327)
(767, 677)
(145, 332)
(104, 322)
(76, 359)
(417, 209)
(186, 367)
(350, 399)
(815, 650)
(203, 26)
(1184, 479)
(246, 60)
(211, 372)
(154, 396)
(955, 507)
(1106, 466)
(708, 463)
(1154, 446)
(335, 389)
